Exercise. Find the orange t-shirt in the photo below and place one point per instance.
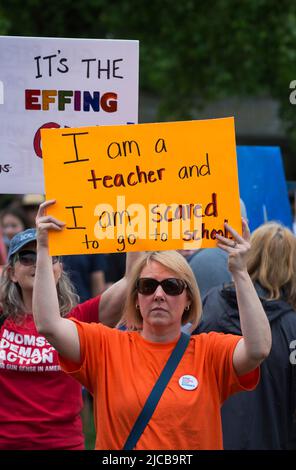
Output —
(120, 369)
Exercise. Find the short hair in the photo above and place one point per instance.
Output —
(180, 267)
(272, 261)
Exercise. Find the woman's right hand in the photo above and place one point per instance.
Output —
(44, 223)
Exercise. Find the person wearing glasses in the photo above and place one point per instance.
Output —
(40, 404)
(120, 368)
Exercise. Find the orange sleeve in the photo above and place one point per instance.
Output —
(221, 352)
(89, 338)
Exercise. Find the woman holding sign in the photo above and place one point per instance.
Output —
(121, 368)
(40, 404)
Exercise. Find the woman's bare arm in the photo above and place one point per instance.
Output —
(255, 345)
(60, 332)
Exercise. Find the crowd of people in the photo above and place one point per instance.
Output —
(114, 338)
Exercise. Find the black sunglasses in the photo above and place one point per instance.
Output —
(171, 286)
(28, 258)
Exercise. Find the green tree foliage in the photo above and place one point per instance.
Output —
(192, 51)
(4, 23)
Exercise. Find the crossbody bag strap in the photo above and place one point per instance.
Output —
(158, 389)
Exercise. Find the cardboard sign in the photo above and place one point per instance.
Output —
(143, 187)
(59, 83)
(263, 185)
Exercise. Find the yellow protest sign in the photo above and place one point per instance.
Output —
(141, 187)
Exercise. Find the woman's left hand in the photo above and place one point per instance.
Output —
(45, 222)
(237, 248)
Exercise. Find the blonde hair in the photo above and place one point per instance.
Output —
(272, 261)
(178, 265)
(11, 299)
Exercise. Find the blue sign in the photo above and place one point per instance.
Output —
(263, 185)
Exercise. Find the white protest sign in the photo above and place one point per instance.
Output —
(53, 83)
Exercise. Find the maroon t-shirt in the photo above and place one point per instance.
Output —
(39, 404)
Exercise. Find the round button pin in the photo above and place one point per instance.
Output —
(188, 382)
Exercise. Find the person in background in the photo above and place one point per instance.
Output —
(30, 204)
(187, 254)
(40, 404)
(115, 266)
(12, 221)
(266, 417)
(87, 274)
(210, 268)
(3, 252)
(121, 367)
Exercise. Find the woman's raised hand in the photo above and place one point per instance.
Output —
(237, 248)
(44, 223)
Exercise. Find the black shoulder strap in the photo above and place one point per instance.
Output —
(157, 391)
